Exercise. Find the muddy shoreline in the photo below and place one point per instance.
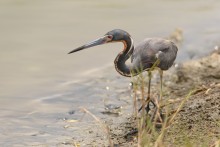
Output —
(198, 120)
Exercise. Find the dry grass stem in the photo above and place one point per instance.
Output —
(170, 102)
(159, 141)
(157, 110)
(103, 125)
(216, 144)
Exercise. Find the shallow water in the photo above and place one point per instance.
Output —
(40, 83)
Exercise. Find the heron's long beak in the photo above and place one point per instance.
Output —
(98, 41)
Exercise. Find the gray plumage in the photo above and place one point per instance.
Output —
(151, 49)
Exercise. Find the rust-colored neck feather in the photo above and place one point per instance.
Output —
(120, 60)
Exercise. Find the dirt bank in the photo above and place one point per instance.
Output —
(198, 122)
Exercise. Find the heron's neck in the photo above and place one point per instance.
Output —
(120, 60)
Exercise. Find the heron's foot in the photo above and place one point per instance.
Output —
(147, 108)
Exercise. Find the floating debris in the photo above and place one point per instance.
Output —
(111, 109)
(71, 120)
(71, 112)
(216, 47)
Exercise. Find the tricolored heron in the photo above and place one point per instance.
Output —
(143, 56)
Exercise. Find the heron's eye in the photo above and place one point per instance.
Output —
(110, 37)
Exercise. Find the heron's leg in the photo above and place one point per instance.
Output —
(161, 83)
(148, 100)
(161, 92)
(148, 93)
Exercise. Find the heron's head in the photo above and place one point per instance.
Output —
(116, 35)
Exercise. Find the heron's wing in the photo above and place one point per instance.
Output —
(166, 52)
(143, 56)
(150, 50)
